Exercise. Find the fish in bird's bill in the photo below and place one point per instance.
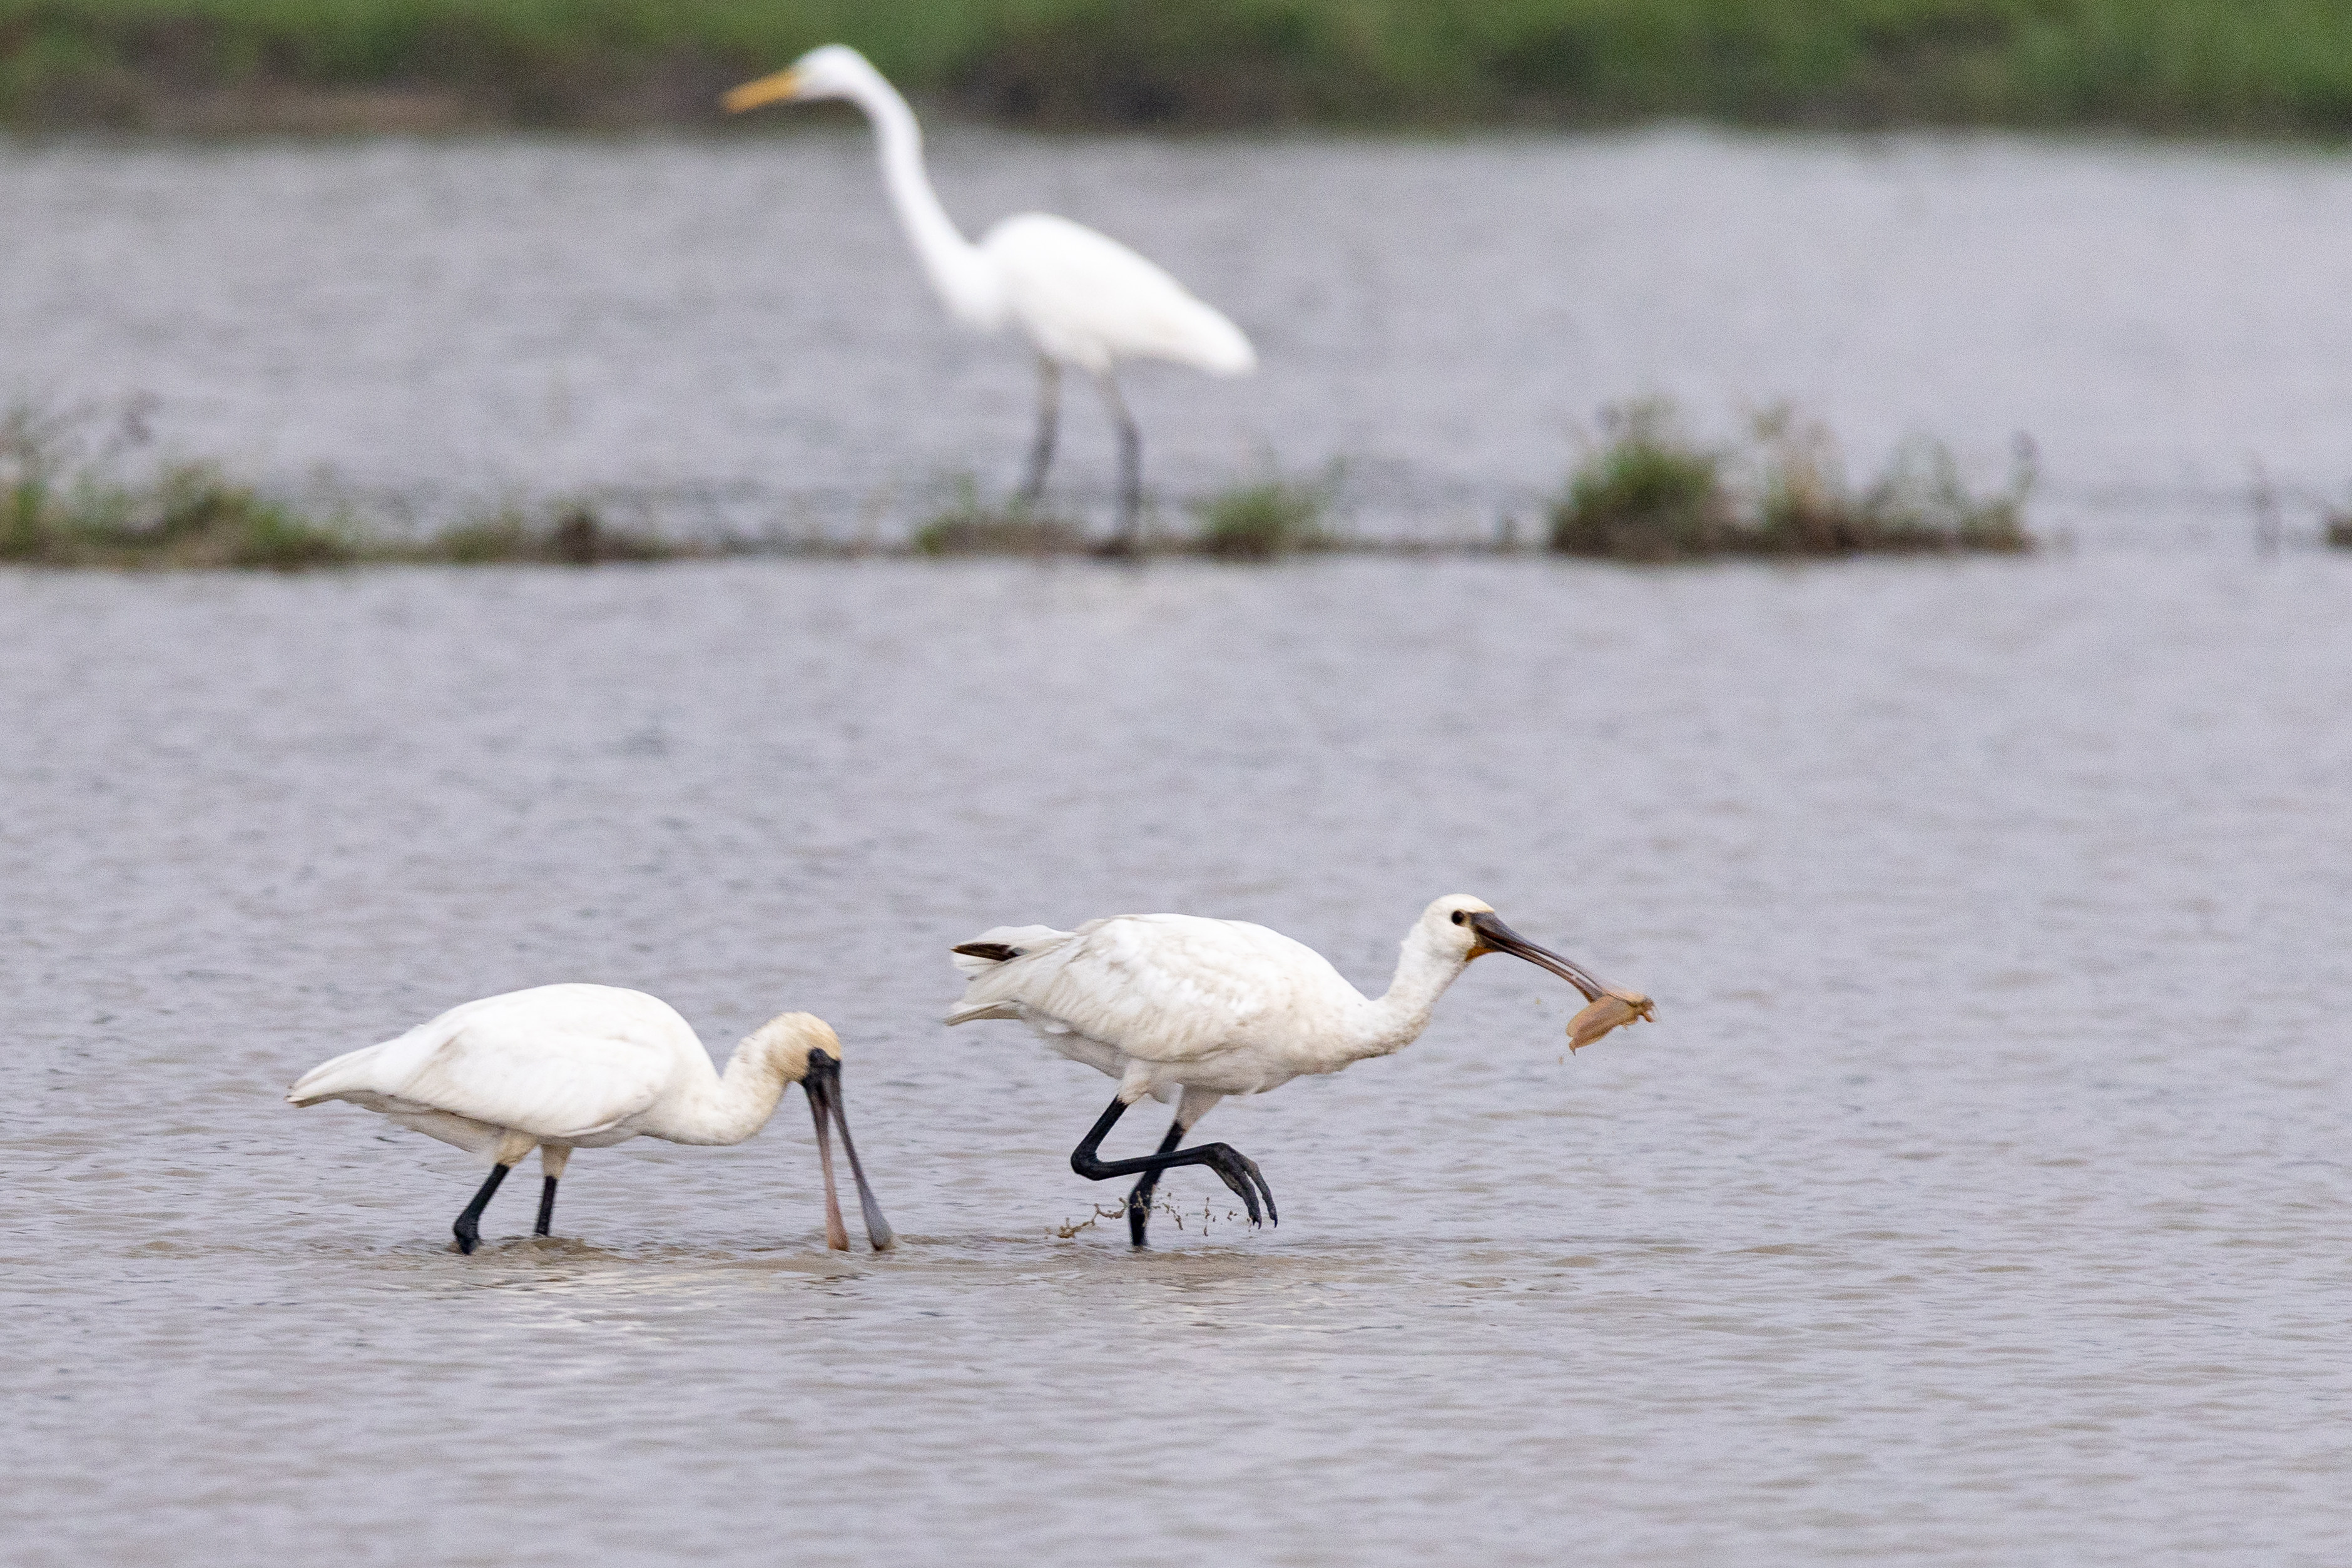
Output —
(1612, 1008)
(1606, 1006)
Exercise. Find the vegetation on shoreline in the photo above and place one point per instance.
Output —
(1649, 492)
(62, 503)
(2202, 67)
(1258, 520)
(1268, 517)
(969, 526)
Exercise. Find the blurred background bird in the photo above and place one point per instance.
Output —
(1084, 300)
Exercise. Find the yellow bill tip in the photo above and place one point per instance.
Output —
(774, 89)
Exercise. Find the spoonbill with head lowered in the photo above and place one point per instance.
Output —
(1084, 302)
(560, 1067)
(1189, 1009)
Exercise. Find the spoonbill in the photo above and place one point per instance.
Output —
(1084, 300)
(1190, 1010)
(560, 1067)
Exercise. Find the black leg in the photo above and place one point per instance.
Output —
(1049, 416)
(469, 1224)
(1139, 1201)
(1130, 470)
(546, 1205)
(1236, 1169)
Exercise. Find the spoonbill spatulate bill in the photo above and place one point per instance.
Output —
(560, 1067)
(1084, 302)
(1190, 1010)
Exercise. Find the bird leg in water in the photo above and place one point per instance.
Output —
(1233, 1167)
(552, 1158)
(1041, 450)
(1139, 1201)
(468, 1227)
(1131, 470)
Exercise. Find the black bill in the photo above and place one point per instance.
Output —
(823, 1085)
(1494, 936)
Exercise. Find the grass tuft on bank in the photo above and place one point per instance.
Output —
(57, 511)
(1649, 492)
(971, 526)
(64, 503)
(2202, 67)
(1266, 519)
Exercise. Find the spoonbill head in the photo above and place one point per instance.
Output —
(1190, 1010)
(560, 1067)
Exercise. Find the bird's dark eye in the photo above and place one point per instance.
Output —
(1460, 915)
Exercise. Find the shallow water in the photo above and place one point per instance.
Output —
(1980, 1195)
(730, 333)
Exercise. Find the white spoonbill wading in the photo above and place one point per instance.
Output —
(1084, 300)
(560, 1067)
(1189, 1009)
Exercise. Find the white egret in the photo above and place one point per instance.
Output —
(1084, 302)
(560, 1067)
(1191, 1010)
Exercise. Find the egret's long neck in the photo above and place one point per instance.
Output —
(1396, 1018)
(728, 1107)
(964, 278)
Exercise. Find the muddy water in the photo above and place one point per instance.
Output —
(731, 334)
(1979, 1197)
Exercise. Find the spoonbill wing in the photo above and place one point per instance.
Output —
(1165, 988)
(557, 1061)
(1022, 939)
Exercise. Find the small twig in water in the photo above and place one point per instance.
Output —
(1207, 1216)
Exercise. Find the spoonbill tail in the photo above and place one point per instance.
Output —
(1191, 1010)
(560, 1067)
(1084, 302)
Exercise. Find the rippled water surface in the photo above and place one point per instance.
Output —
(1980, 1195)
(732, 334)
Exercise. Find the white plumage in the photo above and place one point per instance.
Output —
(1084, 300)
(1190, 1010)
(560, 1067)
(1087, 302)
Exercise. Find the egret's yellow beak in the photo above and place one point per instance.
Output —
(766, 89)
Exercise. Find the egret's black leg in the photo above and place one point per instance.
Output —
(1130, 470)
(1236, 1169)
(1049, 417)
(1139, 1201)
(468, 1227)
(546, 1205)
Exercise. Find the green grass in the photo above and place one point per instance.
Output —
(1265, 518)
(2230, 66)
(969, 526)
(1645, 492)
(1649, 492)
(63, 503)
(60, 509)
